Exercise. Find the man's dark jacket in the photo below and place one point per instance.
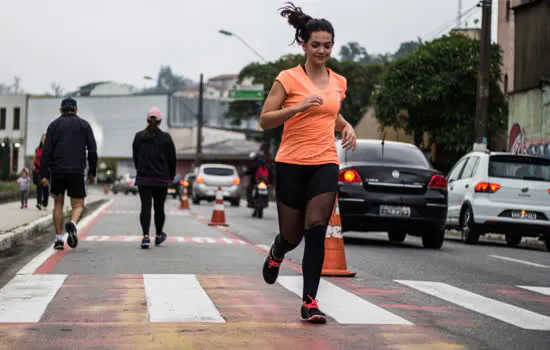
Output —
(68, 138)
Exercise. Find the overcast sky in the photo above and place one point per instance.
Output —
(77, 42)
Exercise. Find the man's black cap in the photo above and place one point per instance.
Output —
(68, 103)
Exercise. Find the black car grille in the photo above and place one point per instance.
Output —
(395, 188)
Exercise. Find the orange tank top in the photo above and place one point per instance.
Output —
(308, 137)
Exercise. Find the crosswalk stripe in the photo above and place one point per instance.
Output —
(541, 290)
(505, 312)
(178, 298)
(343, 306)
(25, 298)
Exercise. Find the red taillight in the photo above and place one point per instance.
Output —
(549, 191)
(438, 182)
(181, 182)
(349, 176)
(186, 184)
(130, 183)
(486, 187)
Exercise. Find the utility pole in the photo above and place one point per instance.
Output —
(198, 154)
(482, 100)
(459, 17)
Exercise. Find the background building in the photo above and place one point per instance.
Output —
(13, 112)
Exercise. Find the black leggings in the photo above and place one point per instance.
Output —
(305, 200)
(150, 195)
(42, 194)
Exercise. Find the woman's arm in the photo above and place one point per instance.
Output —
(349, 140)
(273, 115)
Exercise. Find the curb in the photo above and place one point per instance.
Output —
(495, 237)
(35, 228)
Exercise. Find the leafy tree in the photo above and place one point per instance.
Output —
(352, 51)
(436, 86)
(406, 48)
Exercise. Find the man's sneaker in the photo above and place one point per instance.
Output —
(311, 313)
(59, 245)
(72, 240)
(159, 239)
(145, 242)
(271, 268)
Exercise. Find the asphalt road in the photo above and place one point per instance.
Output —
(203, 289)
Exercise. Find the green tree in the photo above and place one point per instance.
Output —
(361, 81)
(406, 48)
(436, 84)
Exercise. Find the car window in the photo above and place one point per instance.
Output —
(470, 168)
(388, 153)
(519, 167)
(455, 172)
(218, 171)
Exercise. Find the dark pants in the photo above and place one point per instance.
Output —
(42, 194)
(24, 197)
(152, 197)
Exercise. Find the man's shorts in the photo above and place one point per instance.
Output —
(74, 184)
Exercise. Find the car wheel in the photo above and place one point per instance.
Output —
(469, 232)
(433, 239)
(196, 201)
(547, 241)
(397, 236)
(235, 203)
(513, 240)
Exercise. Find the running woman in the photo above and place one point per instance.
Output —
(155, 160)
(307, 100)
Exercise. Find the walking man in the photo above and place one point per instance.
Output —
(63, 164)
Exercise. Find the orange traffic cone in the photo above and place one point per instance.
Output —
(218, 215)
(335, 257)
(184, 200)
(106, 189)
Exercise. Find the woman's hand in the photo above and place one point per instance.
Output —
(310, 101)
(349, 140)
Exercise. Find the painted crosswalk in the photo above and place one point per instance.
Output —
(189, 298)
(190, 240)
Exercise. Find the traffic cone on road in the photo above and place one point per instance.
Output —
(184, 200)
(106, 189)
(335, 256)
(218, 215)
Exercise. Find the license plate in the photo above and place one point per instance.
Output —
(171, 190)
(524, 215)
(390, 210)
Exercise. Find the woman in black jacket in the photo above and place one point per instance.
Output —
(155, 160)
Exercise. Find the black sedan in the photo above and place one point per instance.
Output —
(391, 187)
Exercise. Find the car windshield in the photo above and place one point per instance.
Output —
(389, 153)
(218, 171)
(519, 167)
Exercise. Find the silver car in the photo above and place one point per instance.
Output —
(210, 177)
(500, 193)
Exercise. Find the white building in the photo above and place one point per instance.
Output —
(13, 112)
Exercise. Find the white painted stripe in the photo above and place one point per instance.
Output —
(519, 261)
(178, 298)
(37, 261)
(501, 311)
(541, 290)
(25, 298)
(343, 306)
(264, 247)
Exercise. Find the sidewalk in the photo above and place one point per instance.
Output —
(17, 223)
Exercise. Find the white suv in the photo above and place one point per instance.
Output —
(501, 193)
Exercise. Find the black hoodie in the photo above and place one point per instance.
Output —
(67, 140)
(154, 158)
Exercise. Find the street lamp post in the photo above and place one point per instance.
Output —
(228, 33)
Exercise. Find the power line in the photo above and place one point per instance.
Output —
(441, 29)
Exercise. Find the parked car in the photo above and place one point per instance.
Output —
(212, 176)
(391, 187)
(500, 193)
(125, 184)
